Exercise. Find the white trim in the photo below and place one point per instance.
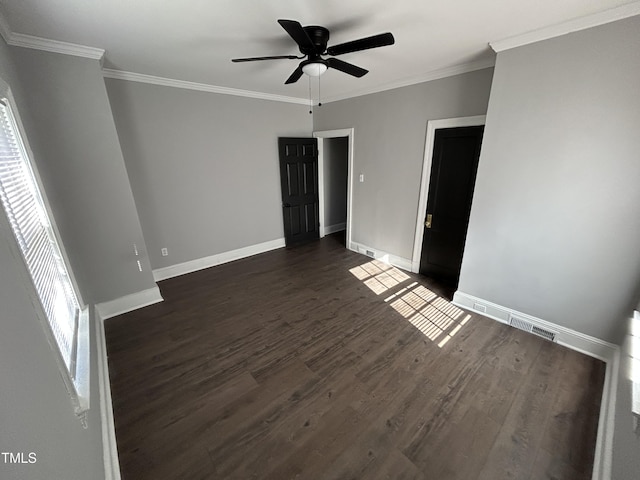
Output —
(341, 132)
(424, 77)
(432, 126)
(400, 262)
(47, 45)
(82, 383)
(338, 227)
(570, 26)
(586, 344)
(109, 445)
(202, 87)
(321, 221)
(321, 135)
(594, 347)
(602, 462)
(129, 303)
(217, 259)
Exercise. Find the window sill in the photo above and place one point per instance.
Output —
(80, 388)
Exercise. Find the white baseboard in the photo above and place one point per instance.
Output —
(129, 303)
(109, 445)
(594, 347)
(338, 227)
(602, 462)
(400, 262)
(213, 260)
(586, 344)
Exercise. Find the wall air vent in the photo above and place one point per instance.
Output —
(370, 253)
(478, 307)
(528, 327)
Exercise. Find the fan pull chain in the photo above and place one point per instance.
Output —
(310, 99)
(319, 103)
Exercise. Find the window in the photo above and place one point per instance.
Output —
(30, 222)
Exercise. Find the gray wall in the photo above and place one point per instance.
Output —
(389, 136)
(555, 222)
(204, 167)
(36, 414)
(336, 165)
(66, 111)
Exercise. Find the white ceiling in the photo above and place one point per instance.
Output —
(194, 40)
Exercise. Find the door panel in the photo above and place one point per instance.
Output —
(456, 153)
(292, 180)
(294, 220)
(311, 218)
(310, 180)
(299, 178)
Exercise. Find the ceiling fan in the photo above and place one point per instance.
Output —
(312, 41)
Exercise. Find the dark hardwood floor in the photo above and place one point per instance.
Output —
(319, 363)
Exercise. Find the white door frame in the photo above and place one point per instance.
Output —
(321, 135)
(432, 126)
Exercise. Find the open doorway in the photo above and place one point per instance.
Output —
(335, 164)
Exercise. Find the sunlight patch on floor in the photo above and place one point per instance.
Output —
(438, 319)
(379, 276)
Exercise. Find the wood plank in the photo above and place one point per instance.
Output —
(516, 446)
(549, 466)
(462, 452)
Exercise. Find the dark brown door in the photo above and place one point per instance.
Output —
(299, 177)
(456, 152)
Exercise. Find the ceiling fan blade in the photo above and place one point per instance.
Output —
(295, 31)
(295, 76)
(255, 59)
(375, 41)
(346, 67)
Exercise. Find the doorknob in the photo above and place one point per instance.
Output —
(286, 205)
(428, 222)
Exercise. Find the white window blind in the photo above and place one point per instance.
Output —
(32, 228)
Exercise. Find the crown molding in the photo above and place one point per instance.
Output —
(425, 77)
(202, 87)
(582, 23)
(55, 46)
(48, 45)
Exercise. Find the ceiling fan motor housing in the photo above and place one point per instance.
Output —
(319, 36)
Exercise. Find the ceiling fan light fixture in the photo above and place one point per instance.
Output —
(314, 69)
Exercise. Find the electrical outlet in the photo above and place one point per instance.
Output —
(361, 177)
(165, 252)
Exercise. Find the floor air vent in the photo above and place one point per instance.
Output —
(543, 333)
(528, 327)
